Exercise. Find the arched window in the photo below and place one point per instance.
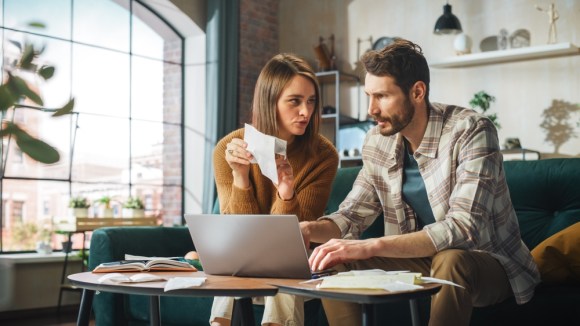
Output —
(124, 66)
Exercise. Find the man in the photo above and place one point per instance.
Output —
(436, 173)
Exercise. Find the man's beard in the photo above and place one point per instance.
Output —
(397, 123)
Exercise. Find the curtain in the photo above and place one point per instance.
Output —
(221, 82)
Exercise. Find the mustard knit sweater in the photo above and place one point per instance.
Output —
(313, 177)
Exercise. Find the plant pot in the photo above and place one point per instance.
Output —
(133, 212)
(78, 212)
(105, 212)
(43, 247)
(66, 246)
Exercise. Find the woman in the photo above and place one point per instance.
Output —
(286, 105)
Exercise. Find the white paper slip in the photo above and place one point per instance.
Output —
(369, 281)
(176, 283)
(366, 272)
(124, 278)
(440, 281)
(264, 147)
(134, 257)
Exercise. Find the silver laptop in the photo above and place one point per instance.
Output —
(249, 245)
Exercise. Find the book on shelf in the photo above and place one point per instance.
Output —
(148, 264)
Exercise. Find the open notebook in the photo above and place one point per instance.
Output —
(249, 245)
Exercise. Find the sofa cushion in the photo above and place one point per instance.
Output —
(558, 257)
(545, 195)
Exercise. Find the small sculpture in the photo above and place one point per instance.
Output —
(552, 16)
(326, 58)
(502, 39)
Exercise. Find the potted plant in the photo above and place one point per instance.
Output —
(482, 101)
(133, 207)
(105, 209)
(17, 91)
(78, 207)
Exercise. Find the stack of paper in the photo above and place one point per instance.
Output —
(378, 279)
(403, 281)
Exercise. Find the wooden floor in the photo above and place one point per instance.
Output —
(41, 317)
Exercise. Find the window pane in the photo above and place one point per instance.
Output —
(28, 208)
(147, 89)
(147, 148)
(54, 131)
(101, 81)
(101, 152)
(151, 36)
(102, 23)
(54, 14)
(156, 90)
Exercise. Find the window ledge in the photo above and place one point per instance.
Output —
(28, 258)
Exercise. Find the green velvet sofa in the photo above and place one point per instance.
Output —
(545, 194)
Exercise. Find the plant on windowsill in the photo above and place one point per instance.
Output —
(79, 207)
(104, 206)
(133, 207)
(482, 101)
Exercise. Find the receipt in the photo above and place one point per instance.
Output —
(264, 147)
(176, 283)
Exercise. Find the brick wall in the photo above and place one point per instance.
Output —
(258, 43)
(172, 173)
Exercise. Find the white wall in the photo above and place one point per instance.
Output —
(523, 90)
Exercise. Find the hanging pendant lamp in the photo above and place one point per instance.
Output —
(447, 23)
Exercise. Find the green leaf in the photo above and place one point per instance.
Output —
(46, 72)
(36, 148)
(36, 24)
(27, 57)
(6, 98)
(19, 86)
(17, 44)
(65, 109)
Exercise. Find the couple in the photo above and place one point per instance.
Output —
(433, 170)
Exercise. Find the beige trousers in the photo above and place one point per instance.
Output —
(283, 309)
(483, 277)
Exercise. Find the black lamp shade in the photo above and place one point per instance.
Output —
(447, 23)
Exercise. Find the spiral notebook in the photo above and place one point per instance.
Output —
(249, 245)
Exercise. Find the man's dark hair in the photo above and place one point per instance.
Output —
(403, 61)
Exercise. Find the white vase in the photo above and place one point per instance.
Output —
(105, 212)
(132, 212)
(462, 44)
(78, 212)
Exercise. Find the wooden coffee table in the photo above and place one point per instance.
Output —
(365, 297)
(243, 288)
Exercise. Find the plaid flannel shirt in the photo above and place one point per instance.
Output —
(462, 167)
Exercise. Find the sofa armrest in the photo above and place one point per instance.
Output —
(112, 243)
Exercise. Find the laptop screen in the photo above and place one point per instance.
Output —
(249, 245)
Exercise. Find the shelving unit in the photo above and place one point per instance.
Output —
(334, 79)
(502, 56)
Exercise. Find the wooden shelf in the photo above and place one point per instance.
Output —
(81, 224)
(502, 56)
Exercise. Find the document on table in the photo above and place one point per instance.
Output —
(379, 279)
(173, 283)
(264, 149)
